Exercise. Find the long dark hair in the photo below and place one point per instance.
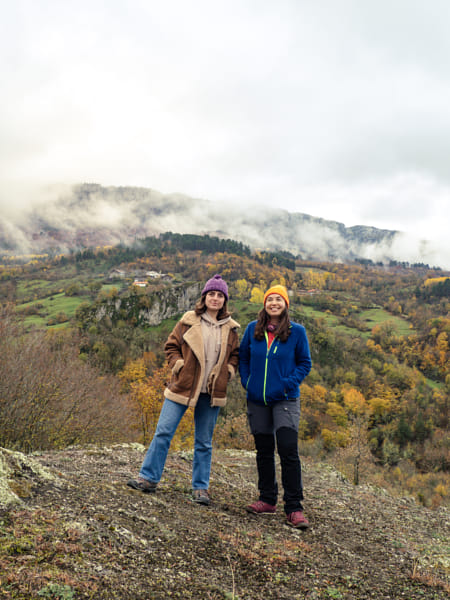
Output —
(200, 308)
(283, 330)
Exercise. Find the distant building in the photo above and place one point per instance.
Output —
(156, 275)
(140, 283)
(116, 273)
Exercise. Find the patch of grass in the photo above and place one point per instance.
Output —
(106, 287)
(333, 322)
(50, 307)
(376, 316)
(57, 591)
(330, 319)
(436, 385)
(370, 317)
(353, 331)
(38, 288)
(243, 312)
(49, 302)
(161, 331)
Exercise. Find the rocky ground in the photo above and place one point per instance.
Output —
(82, 533)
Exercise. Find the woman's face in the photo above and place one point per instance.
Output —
(214, 301)
(275, 305)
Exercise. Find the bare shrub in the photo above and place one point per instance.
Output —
(49, 398)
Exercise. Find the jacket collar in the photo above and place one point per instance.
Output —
(190, 318)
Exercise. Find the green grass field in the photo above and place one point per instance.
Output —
(370, 317)
(38, 288)
(50, 300)
(50, 307)
(375, 316)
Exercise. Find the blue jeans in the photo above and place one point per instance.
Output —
(205, 417)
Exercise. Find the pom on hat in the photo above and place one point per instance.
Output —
(280, 290)
(216, 284)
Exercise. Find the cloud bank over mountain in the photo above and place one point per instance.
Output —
(64, 218)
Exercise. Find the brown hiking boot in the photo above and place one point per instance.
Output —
(141, 484)
(201, 497)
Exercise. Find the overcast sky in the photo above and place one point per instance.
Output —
(335, 108)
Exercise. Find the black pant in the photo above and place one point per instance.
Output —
(291, 472)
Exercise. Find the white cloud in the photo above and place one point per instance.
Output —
(336, 109)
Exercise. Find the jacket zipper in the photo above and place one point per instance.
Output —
(275, 345)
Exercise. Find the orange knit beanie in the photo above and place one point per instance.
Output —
(280, 290)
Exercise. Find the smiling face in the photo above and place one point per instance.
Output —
(275, 305)
(214, 301)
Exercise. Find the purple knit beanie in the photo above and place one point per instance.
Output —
(216, 284)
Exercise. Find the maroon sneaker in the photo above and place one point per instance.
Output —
(261, 508)
(297, 519)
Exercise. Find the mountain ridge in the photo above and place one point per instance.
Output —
(87, 215)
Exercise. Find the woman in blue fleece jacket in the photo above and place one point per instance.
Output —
(274, 358)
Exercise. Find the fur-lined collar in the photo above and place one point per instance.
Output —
(190, 318)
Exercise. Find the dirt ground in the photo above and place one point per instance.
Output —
(88, 535)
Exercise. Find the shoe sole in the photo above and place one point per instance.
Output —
(136, 486)
(300, 526)
(202, 500)
(254, 512)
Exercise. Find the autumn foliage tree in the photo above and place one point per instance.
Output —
(357, 450)
(146, 391)
(348, 431)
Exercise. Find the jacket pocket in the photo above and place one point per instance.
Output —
(177, 367)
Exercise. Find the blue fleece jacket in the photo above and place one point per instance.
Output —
(273, 374)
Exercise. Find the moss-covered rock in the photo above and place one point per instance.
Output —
(18, 474)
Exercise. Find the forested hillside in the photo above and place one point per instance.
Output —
(82, 364)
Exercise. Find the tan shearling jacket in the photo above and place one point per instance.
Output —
(185, 355)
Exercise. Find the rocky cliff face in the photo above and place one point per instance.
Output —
(153, 308)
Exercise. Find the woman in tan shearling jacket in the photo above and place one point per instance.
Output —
(203, 351)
